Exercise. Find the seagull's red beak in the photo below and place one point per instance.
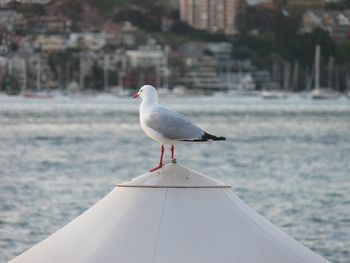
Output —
(135, 95)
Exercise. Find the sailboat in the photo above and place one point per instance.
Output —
(276, 93)
(318, 92)
(38, 93)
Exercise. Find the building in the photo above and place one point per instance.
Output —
(90, 40)
(337, 23)
(306, 2)
(150, 55)
(203, 76)
(50, 24)
(50, 43)
(38, 2)
(210, 15)
(8, 20)
(5, 42)
(128, 35)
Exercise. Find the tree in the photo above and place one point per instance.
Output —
(139, 18)
(343, 53)
(306, 43)
(338, 5)
(181, 28)
(243, 53)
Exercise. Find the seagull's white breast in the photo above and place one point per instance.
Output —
(153, 134)
(145, 110)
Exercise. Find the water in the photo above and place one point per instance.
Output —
(288, 159)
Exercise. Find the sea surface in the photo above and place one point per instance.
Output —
(287, 159)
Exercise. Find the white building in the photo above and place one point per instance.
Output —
(150, 55)
(93, 41)
(50, 43)
(8, 19)
(337, 23)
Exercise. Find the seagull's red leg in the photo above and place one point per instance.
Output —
(172, 153)
(160, 161)
(161, 156)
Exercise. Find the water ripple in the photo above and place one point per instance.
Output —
(288, 159)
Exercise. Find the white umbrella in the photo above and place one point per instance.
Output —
(172, 215)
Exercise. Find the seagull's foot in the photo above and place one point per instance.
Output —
(156, 168)
(173, 160)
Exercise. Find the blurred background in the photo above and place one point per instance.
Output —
(271, 76)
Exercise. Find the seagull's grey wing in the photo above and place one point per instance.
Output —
(173, 125)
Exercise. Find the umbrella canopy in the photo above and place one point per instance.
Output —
(172, 215)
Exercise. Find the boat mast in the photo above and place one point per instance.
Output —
(81, 72)
(330, 72)
(24, 65)
(317, 67)
(105, 72)
(38, 74)
(295, 74)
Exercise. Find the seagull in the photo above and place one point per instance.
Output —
(165, 126)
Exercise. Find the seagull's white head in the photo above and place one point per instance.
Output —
(147, 92)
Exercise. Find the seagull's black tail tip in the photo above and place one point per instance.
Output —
(208, 136)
